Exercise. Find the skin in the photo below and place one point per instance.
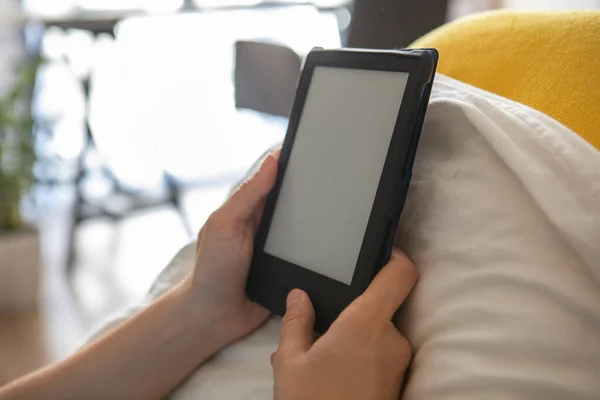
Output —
(152, 353)
(361, 356)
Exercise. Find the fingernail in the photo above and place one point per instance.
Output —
(293, 297)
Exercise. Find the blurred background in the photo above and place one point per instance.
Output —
(125, 123)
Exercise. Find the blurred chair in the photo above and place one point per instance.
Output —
(265, 77)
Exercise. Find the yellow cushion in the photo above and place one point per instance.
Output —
(549, 61)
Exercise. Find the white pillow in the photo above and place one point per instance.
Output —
(503, 223)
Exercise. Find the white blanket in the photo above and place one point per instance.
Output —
(503, 223)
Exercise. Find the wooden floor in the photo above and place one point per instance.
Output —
(115, 266)
(22, 345)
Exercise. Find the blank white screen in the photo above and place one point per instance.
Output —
(334, 169)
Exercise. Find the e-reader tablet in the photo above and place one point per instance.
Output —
(330, 221)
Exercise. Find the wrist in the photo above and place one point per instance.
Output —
(216, 325)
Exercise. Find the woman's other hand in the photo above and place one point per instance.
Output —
(361, 356)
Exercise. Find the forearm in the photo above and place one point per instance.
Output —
(144, 358)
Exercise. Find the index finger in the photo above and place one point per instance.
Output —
(391, 286)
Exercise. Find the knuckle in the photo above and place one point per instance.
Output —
(282, 359)
(368, 326)
(404, 348)
(274, 358)
(278, 361)
(408, 269)
(359, 308)
(353, 315)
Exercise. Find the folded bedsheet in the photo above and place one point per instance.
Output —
(503, 223)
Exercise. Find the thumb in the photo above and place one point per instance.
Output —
(248, 197)
(297, 325)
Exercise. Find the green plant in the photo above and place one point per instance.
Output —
(17, 155)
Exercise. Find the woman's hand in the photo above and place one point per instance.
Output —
(216, 288)
(361, 356)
